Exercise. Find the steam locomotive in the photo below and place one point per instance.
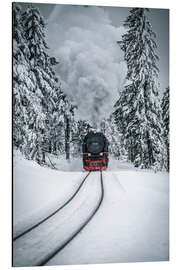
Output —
(95, 151)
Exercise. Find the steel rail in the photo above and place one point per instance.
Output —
(58, 249)
(54, 212)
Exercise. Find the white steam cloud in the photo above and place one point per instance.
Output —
(91, 68)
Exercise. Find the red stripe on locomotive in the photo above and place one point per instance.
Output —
(100, 165)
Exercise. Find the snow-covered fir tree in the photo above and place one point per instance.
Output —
(165, 118)
(55, 124)
(79, 129)
(45, 80)
(18, 59)
(42, 113)
(24, 104)
(114, 137)
(68, 113)
(137, 113)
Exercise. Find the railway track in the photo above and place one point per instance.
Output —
(30, 257)
(49, 256)
(54, 212)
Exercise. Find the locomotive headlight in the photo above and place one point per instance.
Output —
(101, 154)
(89, 154)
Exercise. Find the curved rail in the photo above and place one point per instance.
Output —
(58, 249)
(53, 213)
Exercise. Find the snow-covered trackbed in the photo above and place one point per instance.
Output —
(16, 235)
(40, 243)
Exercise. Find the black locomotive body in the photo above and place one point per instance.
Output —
(95, 151)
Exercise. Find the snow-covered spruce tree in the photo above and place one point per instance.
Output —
(79, 129)
(18, 59)
(42, 113)
(23, 86)
(62, 124)
(123, 115)
(55, 141)
(138, 110)
(115, 138)
(165, 118)
(68, 113)
(45, 80)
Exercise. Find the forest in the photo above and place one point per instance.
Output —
(44, 116)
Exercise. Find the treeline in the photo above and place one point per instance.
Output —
(43, 116)
(140, 116)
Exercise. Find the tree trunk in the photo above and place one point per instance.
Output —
(67, 137)
(150, 152)
(40, 154)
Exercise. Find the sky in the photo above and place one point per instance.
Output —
(159, 19)
(83, 39)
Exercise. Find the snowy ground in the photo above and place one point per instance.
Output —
(131, 224)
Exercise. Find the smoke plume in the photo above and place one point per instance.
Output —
(91, 68)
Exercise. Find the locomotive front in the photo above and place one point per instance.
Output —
(95, 151)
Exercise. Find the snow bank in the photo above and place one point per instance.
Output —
(72, 165)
